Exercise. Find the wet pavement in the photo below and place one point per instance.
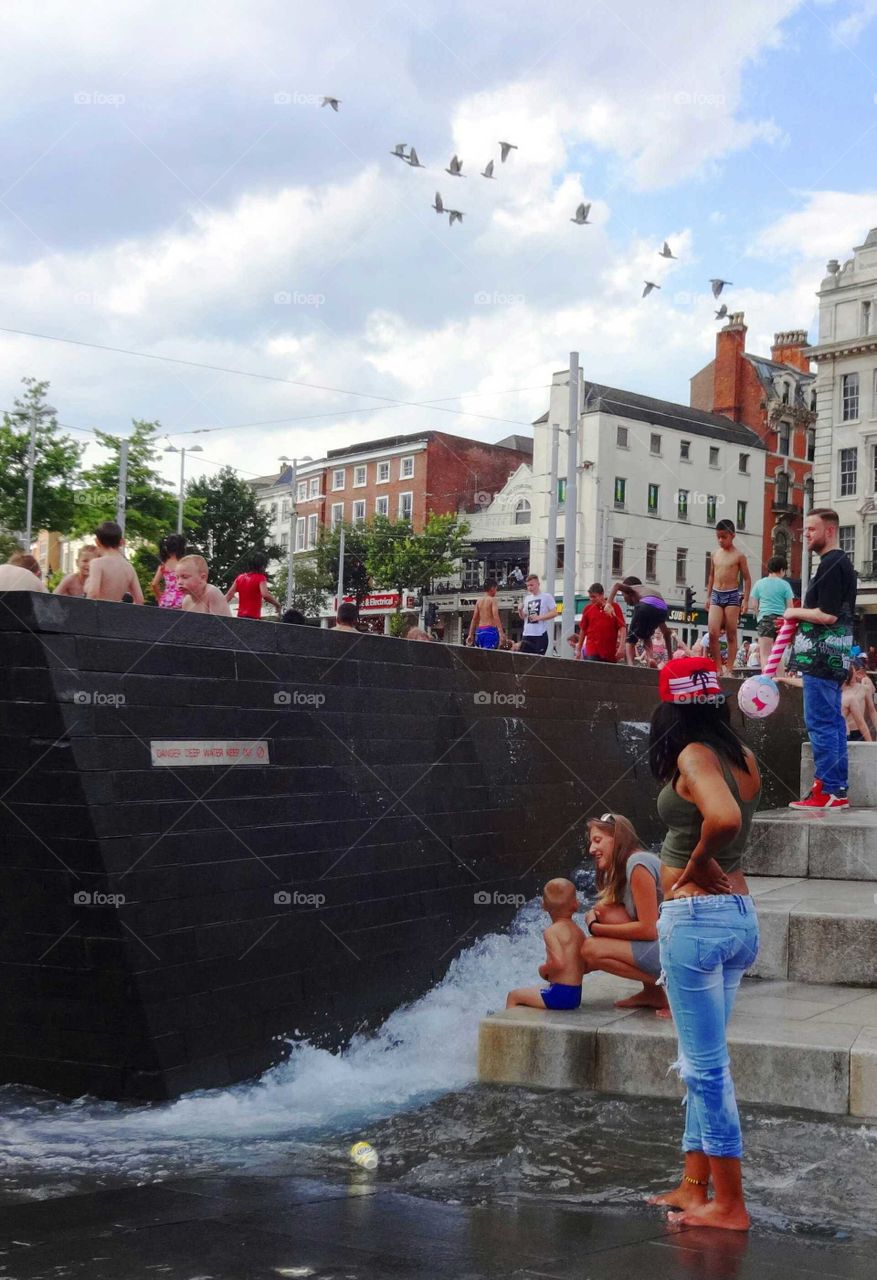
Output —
(260, 1228)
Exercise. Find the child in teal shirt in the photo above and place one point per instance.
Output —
(773, 596)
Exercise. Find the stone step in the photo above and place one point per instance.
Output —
(834, 844)
(792, 1044)
(816, 931)
(863, 773)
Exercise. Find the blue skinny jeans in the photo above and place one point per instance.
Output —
(827, 730)
(707, 944)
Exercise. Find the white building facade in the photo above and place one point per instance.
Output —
(845, 463)
(654, 477)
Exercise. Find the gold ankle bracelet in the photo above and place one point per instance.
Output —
(695, 1182)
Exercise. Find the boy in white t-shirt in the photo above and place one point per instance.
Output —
(536, 611)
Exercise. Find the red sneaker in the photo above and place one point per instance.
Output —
(820, 799)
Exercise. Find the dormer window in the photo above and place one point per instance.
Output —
(787, 391)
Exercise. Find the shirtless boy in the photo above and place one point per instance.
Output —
(650, 614)
(201, 596)
(74, 583)
(563, 966)
(110, 576)
(486, 626)
(857, 708)
(725, 600)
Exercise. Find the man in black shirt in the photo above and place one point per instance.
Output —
(822, 653)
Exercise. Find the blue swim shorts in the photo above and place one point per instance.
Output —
(562, 996)
(487, 638)
(727, 599)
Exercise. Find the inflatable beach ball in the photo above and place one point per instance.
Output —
(758, 697)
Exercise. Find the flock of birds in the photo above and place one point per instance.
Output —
(408, 155)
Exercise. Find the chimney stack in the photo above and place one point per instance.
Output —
(728, 379)
(788, 348)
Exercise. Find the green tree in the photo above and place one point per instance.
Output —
(403, 560)
(229, 525)
(357, 581)
(151, 508)
(145, 561)
(8, 546)
(309, 595)
(56, 463)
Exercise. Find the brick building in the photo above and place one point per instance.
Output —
(775, 398)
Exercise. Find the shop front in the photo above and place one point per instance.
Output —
(376, 610)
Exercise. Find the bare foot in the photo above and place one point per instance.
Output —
(685, 1196)
(724, 1217)
(648, 998)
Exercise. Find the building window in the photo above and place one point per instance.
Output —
(406, 505)
(300, 533)
(714, 456)
(813, 400)
(780, 544)
(707, 567)
(359, 477)
(787, 392)
(846, 539)
(617, 557)
(522, 512)
(406, 468)
(654, 491)
(681, 566)
(359, 511)
(682, 504)
(383, 472)
(743, 464)
(849, 466)
(382, 505)
(337, 514)
(651, 562)
(272, 512)
(849, 397)
(312, 530)
(873, 550)
(783, 436)
(285, 509)
(314, 487)
(874, 466)
(808, 495)
(741, 515)
(710, 508)
(620, 489)
(338, 478)
(866, 317)
(301, 491)
(685, 450)
(561, 490)
(284, 542)
(621, 438)
(782, 497)
(811, 444)
(655, 443)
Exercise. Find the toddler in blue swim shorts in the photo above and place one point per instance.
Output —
(563, 966)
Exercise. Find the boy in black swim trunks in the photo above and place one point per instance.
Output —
(649, 615)
(563, 967)
(725, 599)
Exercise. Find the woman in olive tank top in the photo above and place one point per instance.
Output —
(707, 929)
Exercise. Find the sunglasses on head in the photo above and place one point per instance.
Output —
(607, 817)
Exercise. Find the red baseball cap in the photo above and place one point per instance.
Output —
(686, 679)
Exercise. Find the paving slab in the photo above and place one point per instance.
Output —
(835, 844)
(817, 930)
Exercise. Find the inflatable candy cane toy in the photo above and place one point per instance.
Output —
(759, 695)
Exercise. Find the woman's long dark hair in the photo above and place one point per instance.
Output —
(676, 724)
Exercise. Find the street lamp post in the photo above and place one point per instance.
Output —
(36, 413)
(290, 562)
(172, 448)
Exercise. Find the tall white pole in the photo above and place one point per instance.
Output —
(551, 539)
(122, 500)
(340, 567)
(570, 522)
(182, 490)
(805, 551)
(31, 462)
(290, 564)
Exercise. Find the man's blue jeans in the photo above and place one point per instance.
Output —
(707, 944)
(827, 731)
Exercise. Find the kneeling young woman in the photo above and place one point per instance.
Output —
(707, 929)
(624, 923)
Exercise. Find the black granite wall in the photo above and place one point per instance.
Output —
(406, 783)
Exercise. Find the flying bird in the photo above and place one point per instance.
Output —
(722, 311)
(413, 160)
(455, 167)
(438, 206)
(331, 102)
(454, 215)
(487, 171)
(581, 218)
(718, 286)
(650, 285)
(505, 148)
(666, 252)
(399, 151)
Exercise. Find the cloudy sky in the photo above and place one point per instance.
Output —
(171, 186)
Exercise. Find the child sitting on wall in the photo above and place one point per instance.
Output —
(563, 966)
(200, 595)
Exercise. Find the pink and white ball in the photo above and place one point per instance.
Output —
(758, 697)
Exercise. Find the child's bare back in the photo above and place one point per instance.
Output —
(563, 943)
(110, 576)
